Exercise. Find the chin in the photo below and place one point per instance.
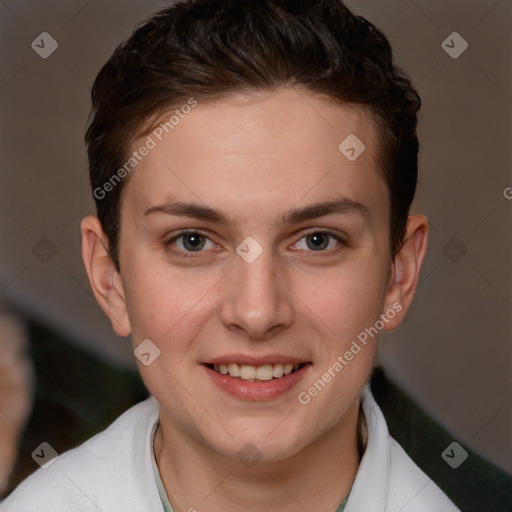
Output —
(265, 440)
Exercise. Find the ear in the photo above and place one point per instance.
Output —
(405, 270)
(105, 280)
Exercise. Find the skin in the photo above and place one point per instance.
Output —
(255, 158)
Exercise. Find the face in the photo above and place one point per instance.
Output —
(249, 242)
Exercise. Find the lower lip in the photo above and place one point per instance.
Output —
(257, 390)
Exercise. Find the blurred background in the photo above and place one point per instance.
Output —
(65, 374)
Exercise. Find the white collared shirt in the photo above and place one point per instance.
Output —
(387, 479)
(113, 472)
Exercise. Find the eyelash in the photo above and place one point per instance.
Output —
(196, 254)
(181, 234)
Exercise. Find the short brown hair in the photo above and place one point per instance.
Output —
(206, 48)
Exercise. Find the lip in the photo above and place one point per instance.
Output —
(257, 391)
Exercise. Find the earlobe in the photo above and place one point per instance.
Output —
(406, 269)
(105, 280)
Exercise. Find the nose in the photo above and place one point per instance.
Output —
(257, 302)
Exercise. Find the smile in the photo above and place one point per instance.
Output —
(264, 372)
(263, 381)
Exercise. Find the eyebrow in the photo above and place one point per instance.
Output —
(187, 209)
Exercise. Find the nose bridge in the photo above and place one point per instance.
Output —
(256, 299)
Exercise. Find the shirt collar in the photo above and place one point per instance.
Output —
(372, 473)
(161, 489)
(370, 487)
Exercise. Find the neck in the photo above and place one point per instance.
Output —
(318, 477)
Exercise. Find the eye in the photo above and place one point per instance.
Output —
(190, 242)
(319, 241)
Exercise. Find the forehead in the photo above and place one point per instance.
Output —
(260, 151)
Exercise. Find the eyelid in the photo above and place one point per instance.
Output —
(326, 231)
(168, 242)
(186, 231)
(342, 240)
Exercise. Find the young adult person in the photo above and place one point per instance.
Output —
(253, 166)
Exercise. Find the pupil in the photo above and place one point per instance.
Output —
(193, 242)
(318, 241)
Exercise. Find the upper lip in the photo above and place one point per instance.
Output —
(256, 360)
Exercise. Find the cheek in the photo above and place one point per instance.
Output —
(163, 301)
(347, 305)
(347, 299)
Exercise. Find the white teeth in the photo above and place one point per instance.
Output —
(234, 370)
(278, 370)
(247, 372)
(264, 372)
